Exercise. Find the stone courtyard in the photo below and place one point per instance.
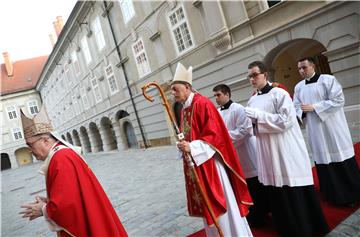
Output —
(146, 187)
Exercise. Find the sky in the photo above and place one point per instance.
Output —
(25, 26)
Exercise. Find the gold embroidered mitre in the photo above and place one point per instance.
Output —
(182, 75)
(39, 124)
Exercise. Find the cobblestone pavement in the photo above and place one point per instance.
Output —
(146, 187)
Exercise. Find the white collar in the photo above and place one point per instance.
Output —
(308, 78)
(45, 166)
(189, 100)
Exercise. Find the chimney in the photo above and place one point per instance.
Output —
(52, 40)
(57, 28)
(8, 64)
(60, 22)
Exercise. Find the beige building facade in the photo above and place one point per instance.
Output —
(91, 83)
(14, 152)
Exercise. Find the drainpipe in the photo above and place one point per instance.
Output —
(125, 75)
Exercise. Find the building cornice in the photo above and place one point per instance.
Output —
(69, 30)
(18, 94)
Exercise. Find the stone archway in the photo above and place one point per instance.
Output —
(23, 156)
(69, 138)
(5, 161)
(130, 135)
(282, 60)
(126, 129)
(95, 138)
(108, 134)
(85, 141)
(76, 138)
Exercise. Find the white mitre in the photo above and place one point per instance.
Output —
(182, 75)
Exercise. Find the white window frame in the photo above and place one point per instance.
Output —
(140, 53)
(127, 10)
(111, 79)
(99, 36)
(96, 90)
(75, 105)
(31, 106)
(76, 64)
(177, 26)
(85, 49)
(11, 112)
(84, 98)
(17, 134)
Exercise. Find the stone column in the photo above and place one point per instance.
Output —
(119, 139)
(84, 145)
(13, 161)
(95, 147)
(104, 138)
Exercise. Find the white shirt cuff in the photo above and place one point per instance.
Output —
(201, 151)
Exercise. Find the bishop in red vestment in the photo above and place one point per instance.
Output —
(76, 204)
(216, 162)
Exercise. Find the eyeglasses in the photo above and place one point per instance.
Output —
(303, 68)
(255, 74)
(30, 144)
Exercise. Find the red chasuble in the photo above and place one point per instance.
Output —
(201, 121)
(279, 85)
(77, 201)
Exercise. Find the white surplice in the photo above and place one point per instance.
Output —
(282, 155)
(326, 127)
(231, 223)
(240, 131)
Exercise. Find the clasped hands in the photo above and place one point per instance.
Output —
(184, 147)
(33, 210)
(307, 108)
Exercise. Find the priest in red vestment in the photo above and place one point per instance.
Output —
(216, 162)
(76, 204)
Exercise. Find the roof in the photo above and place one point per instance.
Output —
(26, 75)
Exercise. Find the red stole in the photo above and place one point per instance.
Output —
(77, 201)
(202, 121)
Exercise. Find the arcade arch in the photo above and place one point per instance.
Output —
(108, 134)
(85, 140)
(282, 60)
(76, 138)
(94, 134)
(23, 156)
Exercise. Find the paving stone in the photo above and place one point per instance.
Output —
(146, 188)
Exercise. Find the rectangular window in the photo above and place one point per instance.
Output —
(111, 79)
(75, 105)
(127, 9)
(84, 98)
(99, 36)
(11, 110)
(86, 50)
(33, 107)
(142, 63)
(181, 32)
(272, 3)
(96, 90)
(17, 134)
(75, 63)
